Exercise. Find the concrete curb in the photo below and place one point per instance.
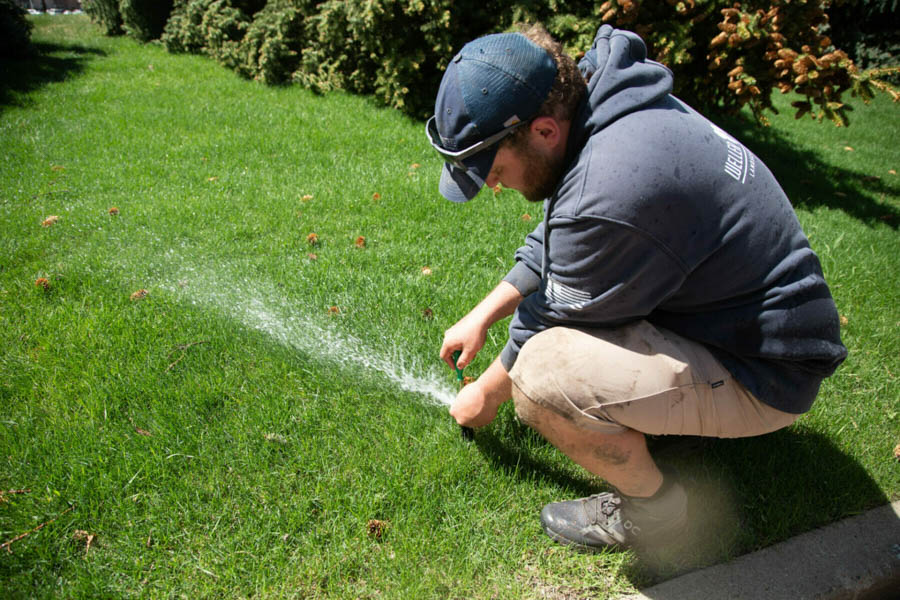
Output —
(857, 558)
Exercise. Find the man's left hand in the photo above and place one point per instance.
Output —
(476, 404)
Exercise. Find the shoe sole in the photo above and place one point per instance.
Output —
(585, 548)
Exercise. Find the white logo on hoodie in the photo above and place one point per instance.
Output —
(739, 163)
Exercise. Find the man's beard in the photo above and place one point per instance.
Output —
(542, 174)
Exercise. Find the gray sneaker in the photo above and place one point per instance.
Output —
(609, 519)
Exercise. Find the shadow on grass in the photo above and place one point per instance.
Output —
(47, 63)
(745, 494)
(810, 182)
(506, 450)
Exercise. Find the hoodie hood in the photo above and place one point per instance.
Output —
(620, 79)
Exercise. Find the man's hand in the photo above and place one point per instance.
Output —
(477, 403)
(471, 407)
(469, 333)
(467, 336)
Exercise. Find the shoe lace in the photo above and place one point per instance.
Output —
(605, 507)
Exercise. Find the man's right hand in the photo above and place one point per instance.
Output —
(469, 333)
(467, 336)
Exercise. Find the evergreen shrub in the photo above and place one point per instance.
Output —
(15, 30)
(212, 27)
(396, 50)
(144, 19)
(725, 54)
(104, 13)
(271, 49)
(182, 32)
(223, 27)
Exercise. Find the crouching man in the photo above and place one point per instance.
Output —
(669, 288)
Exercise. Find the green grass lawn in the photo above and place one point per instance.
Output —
(267, 421)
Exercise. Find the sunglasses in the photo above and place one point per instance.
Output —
(457, 157)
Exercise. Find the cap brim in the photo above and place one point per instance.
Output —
(461, 186)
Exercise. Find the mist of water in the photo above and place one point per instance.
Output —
(246, 302)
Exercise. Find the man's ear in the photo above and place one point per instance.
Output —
(547, 131)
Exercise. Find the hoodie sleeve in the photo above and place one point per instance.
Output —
(525, 276)
(603, 274)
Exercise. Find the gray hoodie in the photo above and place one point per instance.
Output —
(660, 215)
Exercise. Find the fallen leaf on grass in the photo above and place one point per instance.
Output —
(467, 380)
(306, 197)
(892, 171)
(848, 148)
(143, 432)
(139, 295)
(376, 528)
(312, 239)
(427, 314)
(897, 451)
(50, 221)
(376, 196)
(5, 493)
(57, 168)
(426, 270)
(42, 282)
(844, 320)
(275, 437)
(213, 179)
(114, 210)
(312, 256)
(334, 310)
(414, 166)
(526, 217)
(360, 242)
(83, 537)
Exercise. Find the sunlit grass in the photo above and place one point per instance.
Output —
(233, 432)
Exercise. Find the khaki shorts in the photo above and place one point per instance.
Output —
(638, 377)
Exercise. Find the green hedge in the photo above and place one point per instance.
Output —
(145, 19)
(15, 30)
(141, 19)
(725, 55)
(212, 27)
(394, 50)
(270, 51)
(106, 14)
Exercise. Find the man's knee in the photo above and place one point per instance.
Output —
(542, 390)
(533, 389)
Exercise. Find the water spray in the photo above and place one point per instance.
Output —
(252, 304)
(467, 432)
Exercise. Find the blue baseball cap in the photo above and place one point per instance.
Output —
(494, 85)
